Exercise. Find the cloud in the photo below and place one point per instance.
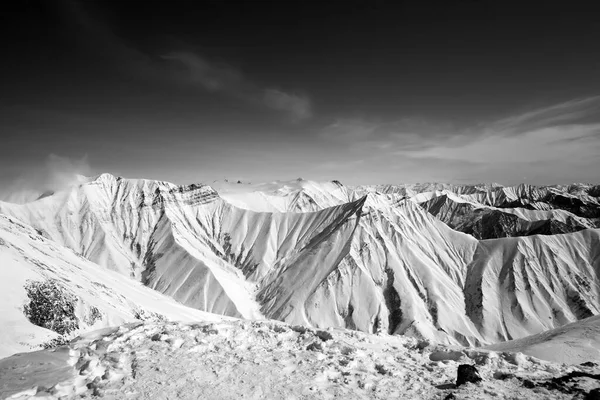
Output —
(220, 78)
(560, 142)
(212, 77)
(350, 129)
(55, 174)
(548, 133)
(340, 165)
(556, 143)
(95, 37)
(550, 143)
(209, 75)
(298, 106)
(554, 115)
(417, 134)
(404, 134)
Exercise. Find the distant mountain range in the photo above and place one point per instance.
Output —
(463, 265)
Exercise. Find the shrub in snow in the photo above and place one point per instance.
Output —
(56, 342)
(51, 306)
(144, 315)
(93, 315)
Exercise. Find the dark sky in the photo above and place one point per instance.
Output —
(362, 92)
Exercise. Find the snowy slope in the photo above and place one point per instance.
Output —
(574, 343)
(525, 285)
(427, 292)
(102, 297)
(287, 196)
(268, 360)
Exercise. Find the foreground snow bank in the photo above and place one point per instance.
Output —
(243, 359)
(573, 343)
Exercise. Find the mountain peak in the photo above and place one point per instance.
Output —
(106, 177)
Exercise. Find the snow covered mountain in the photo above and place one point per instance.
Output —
(374, 259)
(47, 291)
(485, 222)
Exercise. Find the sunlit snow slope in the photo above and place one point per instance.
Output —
(324, 255)
(574, 343)
(99, 297)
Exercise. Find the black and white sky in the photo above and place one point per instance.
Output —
(359, 91)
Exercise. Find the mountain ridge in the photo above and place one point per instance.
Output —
(326, 255)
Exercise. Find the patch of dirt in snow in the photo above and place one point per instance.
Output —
(271, 360)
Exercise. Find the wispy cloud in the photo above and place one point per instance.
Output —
(350, 129)
(232, 82)
(564, 113)
(197, 69)
(403, 134)
(94, 37)
(54, 174)
(212, 77)
(552, 132)
(298, 106)
(556, 144)
(549, 143)
(561, 141)
(342, 164)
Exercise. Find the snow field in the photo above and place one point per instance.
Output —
(264, 359)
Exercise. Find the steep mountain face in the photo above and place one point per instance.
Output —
(579, 199)
(517, 286)
(574, 198)
(490, 223)
(325, 255)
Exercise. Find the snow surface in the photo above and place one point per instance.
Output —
(285, 196)
(573, 343)
(257, 360)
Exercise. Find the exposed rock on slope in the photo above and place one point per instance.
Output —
(491, 223)
(574, 198)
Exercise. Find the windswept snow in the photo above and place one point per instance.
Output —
(256, 360)
(574, 343)
(287, 196)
